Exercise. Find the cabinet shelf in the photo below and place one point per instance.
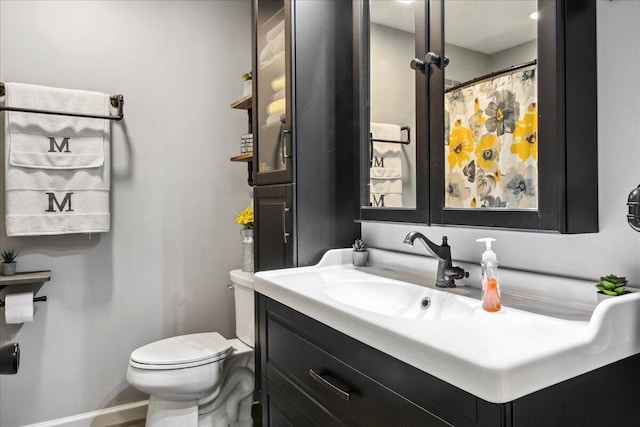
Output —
(25, 278)
(246, 157)
(243, 104)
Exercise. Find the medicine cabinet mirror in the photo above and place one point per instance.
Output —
(504, 109)
(394, 179)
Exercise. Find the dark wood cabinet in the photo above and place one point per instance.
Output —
(311, 374)
(303, 131)
(273, 206)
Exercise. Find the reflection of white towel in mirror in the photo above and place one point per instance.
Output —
(385, 192)
(386, 169)
(389, 132)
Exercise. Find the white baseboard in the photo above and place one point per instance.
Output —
(103, 417)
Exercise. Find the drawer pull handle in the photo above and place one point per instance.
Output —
(335, 389)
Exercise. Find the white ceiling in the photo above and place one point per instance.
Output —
(486, 26)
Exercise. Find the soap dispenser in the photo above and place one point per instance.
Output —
(490, 289)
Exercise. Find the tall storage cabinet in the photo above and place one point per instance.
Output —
(305, 155)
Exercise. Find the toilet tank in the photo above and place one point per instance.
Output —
(243, 294)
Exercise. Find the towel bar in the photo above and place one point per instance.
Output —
(393, 141)
(35, 299)
(117, 101)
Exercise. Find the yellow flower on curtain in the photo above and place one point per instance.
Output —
(460, 145)
(488, 152)
(525, 136)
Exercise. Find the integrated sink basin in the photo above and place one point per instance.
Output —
(538, 339)
(399, 299)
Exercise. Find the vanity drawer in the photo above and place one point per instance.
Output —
(341, 389)
(290, 406)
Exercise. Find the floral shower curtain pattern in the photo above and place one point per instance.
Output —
(491, 143)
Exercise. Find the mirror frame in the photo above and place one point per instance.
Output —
(419, 213)
(567, 132)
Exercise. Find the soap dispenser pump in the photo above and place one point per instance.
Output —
(491, 300)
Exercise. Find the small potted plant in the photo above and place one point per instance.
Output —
(9, 262)
(360, 254)
(248, 84)
(611, 286)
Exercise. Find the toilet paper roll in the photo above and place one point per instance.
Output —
(18, 307)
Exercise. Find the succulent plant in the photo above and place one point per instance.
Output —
(359, 245)
(612, 285)
(9, 256)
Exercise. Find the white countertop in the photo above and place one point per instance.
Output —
(498, 357)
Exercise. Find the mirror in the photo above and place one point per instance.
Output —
(392, 112)
(490, 104)
(390, 156)
(506, 134)
(536, 169)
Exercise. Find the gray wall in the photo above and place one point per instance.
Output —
(520, 54)
(163, 269)
(465, 64)
(616, 248)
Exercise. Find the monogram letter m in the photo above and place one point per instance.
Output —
(60, 206)
(53, 144)
(378, 202)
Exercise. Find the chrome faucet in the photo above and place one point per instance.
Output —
(447, 273)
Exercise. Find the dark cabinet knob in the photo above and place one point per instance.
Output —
(434, 59)
(417, 64)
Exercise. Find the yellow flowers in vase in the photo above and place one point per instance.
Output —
(245, 218)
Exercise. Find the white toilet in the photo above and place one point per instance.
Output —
(201, 380)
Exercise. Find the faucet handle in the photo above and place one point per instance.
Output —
(456, 273)
(444, 241)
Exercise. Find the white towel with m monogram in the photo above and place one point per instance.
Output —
(52, 141)
(57, 167)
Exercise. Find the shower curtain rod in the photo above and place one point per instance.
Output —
(117, 101)
(493, 74)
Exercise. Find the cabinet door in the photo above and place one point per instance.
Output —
(516, 147)
(274, 238)
(272, 97)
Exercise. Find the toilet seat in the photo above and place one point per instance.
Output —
(185, 351)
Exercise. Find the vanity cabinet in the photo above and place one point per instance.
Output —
(304, 154)
(310, 374)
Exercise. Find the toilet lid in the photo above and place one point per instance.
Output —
(192, 350)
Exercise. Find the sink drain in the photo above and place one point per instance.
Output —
(425, 303)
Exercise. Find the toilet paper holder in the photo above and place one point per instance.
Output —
(35, 299)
